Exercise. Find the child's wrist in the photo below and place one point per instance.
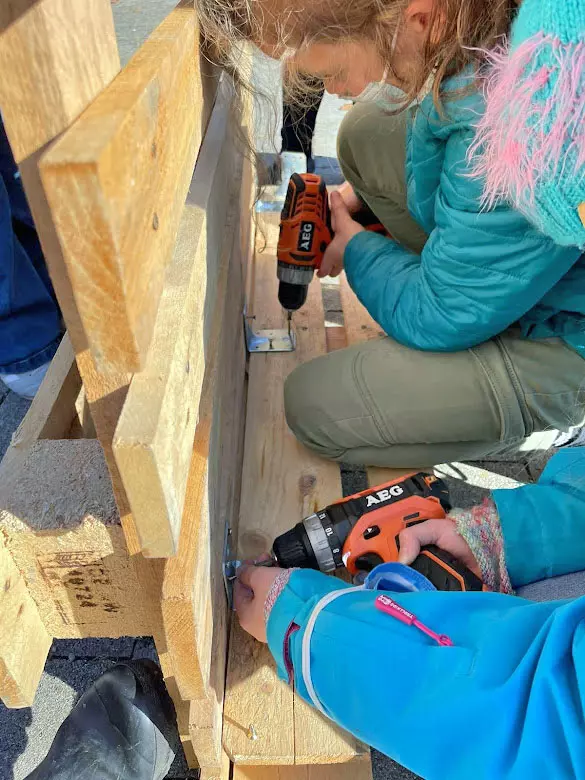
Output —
(480, 528)
(279, 584)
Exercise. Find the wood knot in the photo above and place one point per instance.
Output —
(307, 484)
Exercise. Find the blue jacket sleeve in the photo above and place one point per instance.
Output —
(543, 525)
(479, 271)
(505, 702)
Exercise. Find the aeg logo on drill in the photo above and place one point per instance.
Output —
(306, 237)
(385, 495)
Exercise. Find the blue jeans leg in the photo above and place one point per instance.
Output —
(30, 321)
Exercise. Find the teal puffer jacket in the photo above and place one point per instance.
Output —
(480, 271)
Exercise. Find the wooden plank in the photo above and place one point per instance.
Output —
(358, 769)
(192, 580)
(328, 744)
(281, 483)
(359, 326)
(52, 410)
(154, 437)
(223, 491)
(194, 607)
(24, 640)
(59, 521)
(86, 49)
(36, 101)
(116, 183)
(82, 426)
(221, 772)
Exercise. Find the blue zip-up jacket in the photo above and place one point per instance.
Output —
(480, 271)
(506, 701)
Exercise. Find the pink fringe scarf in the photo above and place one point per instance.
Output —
(533, 127)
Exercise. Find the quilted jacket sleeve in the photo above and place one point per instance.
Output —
(479, 271)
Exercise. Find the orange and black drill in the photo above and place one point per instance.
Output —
(305, 234)
(362, 531)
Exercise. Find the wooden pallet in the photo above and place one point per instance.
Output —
(145, 249)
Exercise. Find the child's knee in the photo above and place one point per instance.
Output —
(304, 412)
(298, 403)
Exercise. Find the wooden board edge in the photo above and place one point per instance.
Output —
(25, 647)
(52, 410)
(142, 431)
(77, 168)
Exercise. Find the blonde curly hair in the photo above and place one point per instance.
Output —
(460, 31)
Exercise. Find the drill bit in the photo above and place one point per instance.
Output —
(235, 565)
(289, 321)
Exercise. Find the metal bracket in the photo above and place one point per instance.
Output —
(278, 340)
(228, 566)
(273, 197)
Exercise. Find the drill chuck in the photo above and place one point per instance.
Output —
(292, 296)
(306, 546)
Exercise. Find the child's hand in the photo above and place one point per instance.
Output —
(250, 591)
(347, 192)
(444, 534)
(345, 228)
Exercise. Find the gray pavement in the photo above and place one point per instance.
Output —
(25, 735)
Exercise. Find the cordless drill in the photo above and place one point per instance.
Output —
(362, 531)
(305, 234)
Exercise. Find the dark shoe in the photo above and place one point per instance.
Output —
(122, 728)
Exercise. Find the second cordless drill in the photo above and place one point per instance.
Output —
(362, 531)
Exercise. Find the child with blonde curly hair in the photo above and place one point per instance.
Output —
(484, 314)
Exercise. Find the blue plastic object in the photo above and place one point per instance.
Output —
(398, 578)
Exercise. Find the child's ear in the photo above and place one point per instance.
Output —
(418, 16)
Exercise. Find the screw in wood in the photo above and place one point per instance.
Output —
(252, 734)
